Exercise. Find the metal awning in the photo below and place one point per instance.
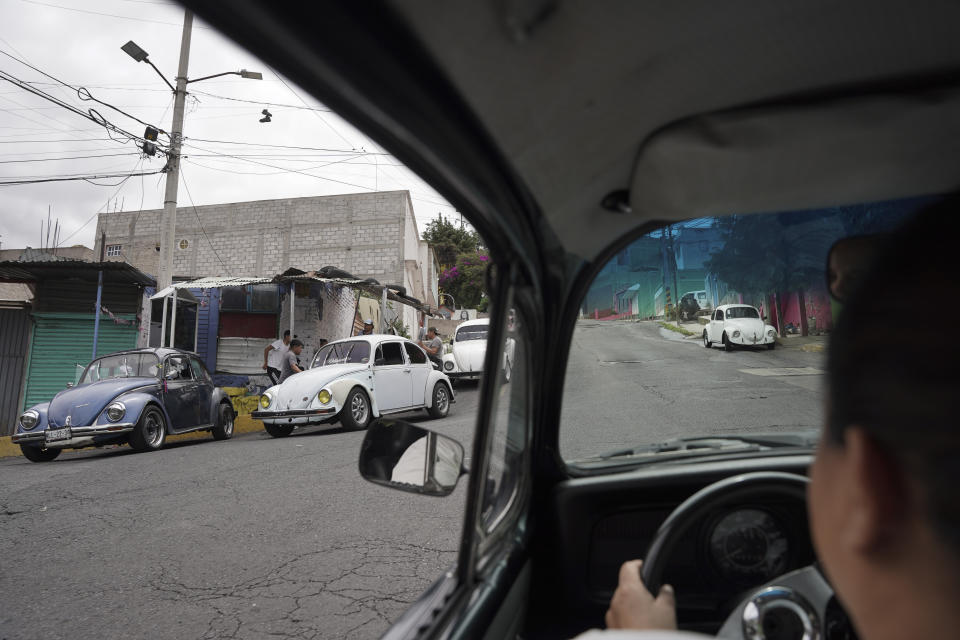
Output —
(63, 269)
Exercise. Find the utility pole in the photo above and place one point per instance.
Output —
(168, 224)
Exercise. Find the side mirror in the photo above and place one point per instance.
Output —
(403, 456)
(69, 385)
(847, 261)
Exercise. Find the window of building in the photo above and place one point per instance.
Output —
(114, 250)
(259, 298)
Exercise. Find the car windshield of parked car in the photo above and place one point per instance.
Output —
(123, 365)
(476, 332)
(353, 351)
(649, 379)
(742, 312)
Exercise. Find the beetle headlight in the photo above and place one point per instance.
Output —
(448, 365)
(265, 400)
(736, 334)
(115, 411)
(770, 332)
(29, 419)
(323, 396)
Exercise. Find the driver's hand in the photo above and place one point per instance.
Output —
(633, 607)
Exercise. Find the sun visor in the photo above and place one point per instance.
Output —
(801, 156)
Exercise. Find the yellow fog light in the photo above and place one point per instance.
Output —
(264, 401)
(323, 396)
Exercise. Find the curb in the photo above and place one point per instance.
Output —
(242, 424)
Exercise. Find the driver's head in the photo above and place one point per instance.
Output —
(884, 506)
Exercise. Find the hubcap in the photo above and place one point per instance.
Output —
(441, 399)
(154, 429)
(228, 427)
(358, 408)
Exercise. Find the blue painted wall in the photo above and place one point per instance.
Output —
(209, 321)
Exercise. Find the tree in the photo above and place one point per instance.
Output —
(450, 241)
(465, 280)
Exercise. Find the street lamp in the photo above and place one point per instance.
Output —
(169, 222)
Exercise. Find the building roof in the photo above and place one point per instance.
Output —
(35, 271)
(15, 292)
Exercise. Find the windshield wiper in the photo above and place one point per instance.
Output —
(707, 445)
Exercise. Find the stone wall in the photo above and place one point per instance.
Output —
(362, 233)
(321, 310)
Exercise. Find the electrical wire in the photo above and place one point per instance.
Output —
(297, 96)
(88, 178)
(109, 15)
(105, 205)
(281, 146)
(269, 173)
(260, 102)
(197, 214)
(107, 155)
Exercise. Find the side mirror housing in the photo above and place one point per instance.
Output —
(847, 261)
(404, 456)
(69, 385)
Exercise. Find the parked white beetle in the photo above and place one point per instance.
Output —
(738, 324)
(467, 349)
(354, 381)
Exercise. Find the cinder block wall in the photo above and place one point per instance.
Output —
(363, 233)
(326, 313)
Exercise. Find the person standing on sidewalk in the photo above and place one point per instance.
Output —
(291, 361)
(273, 357)
(433, 346)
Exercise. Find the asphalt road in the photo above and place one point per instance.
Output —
(257, 537)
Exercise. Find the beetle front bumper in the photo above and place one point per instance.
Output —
(79, 436)
(745, 340)
(296, 416)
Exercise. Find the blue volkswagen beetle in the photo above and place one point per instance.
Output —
(137, 397)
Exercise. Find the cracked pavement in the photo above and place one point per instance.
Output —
(253, 537)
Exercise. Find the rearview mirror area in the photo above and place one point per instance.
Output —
(847, 261)
(403, 456)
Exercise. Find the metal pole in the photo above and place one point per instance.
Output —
(168, 223)
(383, 311)
(293, 294)
(173, 322)
(96, 318)
(196, 325)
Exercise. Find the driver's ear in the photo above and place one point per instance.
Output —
(877, 494)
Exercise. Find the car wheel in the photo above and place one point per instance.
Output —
(706, 340)
(441, 401)
(356, 410)
(279, 430)
(771, 346)
(224, 427)
(150, 431)
(34, 453)
(727, 345)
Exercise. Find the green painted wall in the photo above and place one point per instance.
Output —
(63, 340)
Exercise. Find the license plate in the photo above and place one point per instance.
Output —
(54, 435)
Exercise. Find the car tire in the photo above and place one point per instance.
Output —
(706, 341)
(440, 406)
(224, 427)
(771, 346)
(727, 345)
(34, 453)
(279, 430)
(150, 432)
(356, 411)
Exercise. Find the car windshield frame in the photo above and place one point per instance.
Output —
(346, 352)
(472, 332)
(125, 368)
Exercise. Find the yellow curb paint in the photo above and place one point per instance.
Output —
(242, 424)
(813, 348)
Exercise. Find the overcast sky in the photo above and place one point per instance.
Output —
(78, 42)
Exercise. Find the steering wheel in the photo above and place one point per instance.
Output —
(792, 606)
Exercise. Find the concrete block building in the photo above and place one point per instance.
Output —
(370, 235)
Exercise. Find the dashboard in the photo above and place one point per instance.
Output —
(604, 521)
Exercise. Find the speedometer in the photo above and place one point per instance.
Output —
(749, 545)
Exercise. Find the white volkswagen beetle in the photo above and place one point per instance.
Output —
(354, 381)
(468, 347)
(738, 324)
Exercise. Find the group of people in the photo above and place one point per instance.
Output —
(281, 358)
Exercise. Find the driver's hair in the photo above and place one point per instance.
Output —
(894, 359)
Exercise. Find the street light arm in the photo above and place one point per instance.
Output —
(159, 73)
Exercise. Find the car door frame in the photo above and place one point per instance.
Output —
(206, 391)
(177, 397)
(419, 374)
(399, 372)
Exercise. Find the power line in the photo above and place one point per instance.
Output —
(106, 155)
(271, 173)
(88, 178)
(297, 95)
(109, 15)
(197, 214)
(280, 146)
(261, 102)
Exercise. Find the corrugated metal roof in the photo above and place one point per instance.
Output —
(241, 356)
(113, 271)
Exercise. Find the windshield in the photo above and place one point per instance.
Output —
(742, 312)
(353, 351)
(646, 374)
(122, 365)
(475, 332)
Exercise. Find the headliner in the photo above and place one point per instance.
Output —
(570, 91)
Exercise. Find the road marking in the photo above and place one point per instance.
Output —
(783, 371)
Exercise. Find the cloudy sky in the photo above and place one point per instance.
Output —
(229, 156)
